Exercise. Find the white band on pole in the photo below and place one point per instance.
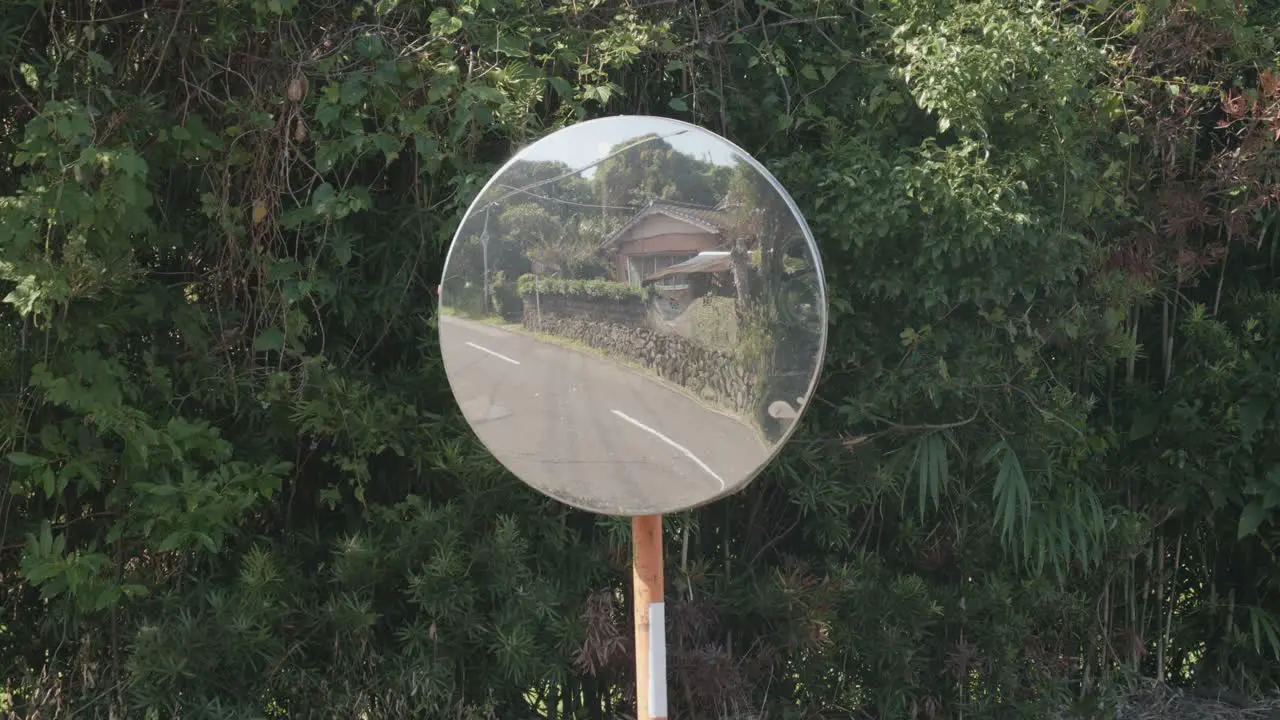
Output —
(657, 660)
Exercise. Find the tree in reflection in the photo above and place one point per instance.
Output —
(654, 170)
(525, 219)
(774, 277)
(552, 241)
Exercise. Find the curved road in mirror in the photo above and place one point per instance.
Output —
(590, 432)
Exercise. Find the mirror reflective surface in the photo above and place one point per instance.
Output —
(633, 315)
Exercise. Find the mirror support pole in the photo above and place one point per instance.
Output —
(650, 612)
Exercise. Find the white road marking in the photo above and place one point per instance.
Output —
(497, 355)
(684, 450)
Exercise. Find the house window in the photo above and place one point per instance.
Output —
(640, 267)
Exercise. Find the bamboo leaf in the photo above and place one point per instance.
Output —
(941, 470)
(1011, 494)
(1268, 626)
(929, 463)
(921, 468)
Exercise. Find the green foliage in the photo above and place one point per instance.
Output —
(593, 289)
(651, 169)
(505, 301)
(996, 66)
(1041, 459)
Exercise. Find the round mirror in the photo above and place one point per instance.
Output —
(633, 316)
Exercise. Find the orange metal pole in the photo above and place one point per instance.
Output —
(651, 635)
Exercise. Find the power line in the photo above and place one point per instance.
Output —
(570, 202)
(588, 166)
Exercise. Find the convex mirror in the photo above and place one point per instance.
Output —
(633, 316)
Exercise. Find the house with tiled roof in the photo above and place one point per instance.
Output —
(664, 234)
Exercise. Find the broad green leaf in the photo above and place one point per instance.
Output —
(172, 541)
(352, 90)
(321, 195)
(134, 590)
(390, 145)
(46, 538)
(1253, 412)
(487, 93)
(327, 113)
(1251, 518)
(599, 93)
(513, 46)
(271, 339)
(369, 46)
(444, 23)
(50, 437)
(341, 249)
(22, 459)
(106, 597)
(561, 86)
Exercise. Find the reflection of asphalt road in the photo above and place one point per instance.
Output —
(589, 432)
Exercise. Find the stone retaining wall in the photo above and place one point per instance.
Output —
(710, 374)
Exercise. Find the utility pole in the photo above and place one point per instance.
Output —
(484, 243)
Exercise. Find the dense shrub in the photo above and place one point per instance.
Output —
(595, 289)
(1042, 458)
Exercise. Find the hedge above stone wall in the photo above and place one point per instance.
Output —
(600, 289)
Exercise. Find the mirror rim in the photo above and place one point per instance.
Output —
(811, 240)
